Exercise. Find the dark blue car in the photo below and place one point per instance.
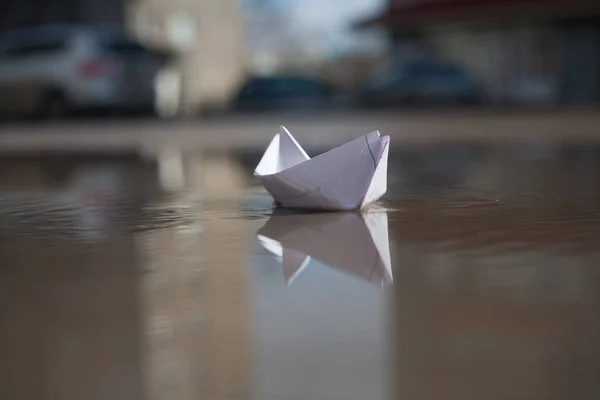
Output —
(282, 93)
(422, 83)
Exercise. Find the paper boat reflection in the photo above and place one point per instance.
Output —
(352, 243)
(348, 177)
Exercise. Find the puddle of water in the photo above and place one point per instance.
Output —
(477, 277)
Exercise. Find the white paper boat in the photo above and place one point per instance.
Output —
(353, 243)
(349, 177)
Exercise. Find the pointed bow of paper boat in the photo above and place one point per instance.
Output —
(348, 177)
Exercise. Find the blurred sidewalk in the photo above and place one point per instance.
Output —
(317, 132)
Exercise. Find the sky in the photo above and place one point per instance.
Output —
(327, 23)
(334, 19)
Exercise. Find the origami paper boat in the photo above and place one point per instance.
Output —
(353, 243)
(349, 177)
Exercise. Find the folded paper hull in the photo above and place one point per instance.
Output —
(348, 177)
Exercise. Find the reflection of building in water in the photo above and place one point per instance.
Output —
(70, 316)
(159, 314)
(126, 175)
(552, 170)
(195, 310)
(216, 176)
(497, 317)
(502, 172)
(69, 297)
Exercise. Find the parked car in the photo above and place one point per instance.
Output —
(422, 83)
(53, 70)
(283, 93)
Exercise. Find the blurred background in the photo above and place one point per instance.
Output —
(133, 262)
(192, 58)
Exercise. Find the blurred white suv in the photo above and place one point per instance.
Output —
(54, 70)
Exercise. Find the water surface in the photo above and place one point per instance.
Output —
(173, 278)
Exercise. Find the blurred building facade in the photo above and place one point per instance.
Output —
(207, 70)
(208, 37)
(352, 70)
(523, 51)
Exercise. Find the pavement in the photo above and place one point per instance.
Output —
(312, 131)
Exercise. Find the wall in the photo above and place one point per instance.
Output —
(516, 64)
(211, 60)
